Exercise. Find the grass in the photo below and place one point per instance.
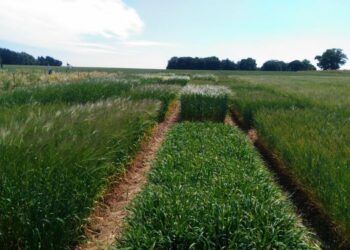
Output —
(92, 91)
(204, 102)
(12, 79)
(55, 161)
(160, 78)
(166, 94)
(304, 119)
(315, 145)
(69, 93)
(205, 77)
(208, 189)
(250, 99)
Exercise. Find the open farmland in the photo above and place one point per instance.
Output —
(209, 190)
(55, 160)
(65, 137)
(304, 120)
(61, 143)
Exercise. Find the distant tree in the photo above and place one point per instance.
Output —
(247, 64)
(26, 59)
(22, 58)
(172, 63)
(207, 63)
(44, 61)
(212, 63)
(307, 65)
(53, 62)
(295, 66)
(228, 65)
(331, 59)
(274, 65)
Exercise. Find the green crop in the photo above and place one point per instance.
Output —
(162, 92)
(55, 161)
(158, 78)
(304, 119)
(208, 189)
(204, 102)
(71, 93)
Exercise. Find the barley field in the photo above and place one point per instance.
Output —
(65, 137)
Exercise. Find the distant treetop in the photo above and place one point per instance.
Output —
(213, 63)
(210, 63)
(15, 58)
(331, 59)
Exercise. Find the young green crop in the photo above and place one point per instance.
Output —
(208, 189)
(55, 160)
(204, 102)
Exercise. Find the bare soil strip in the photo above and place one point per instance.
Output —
(311, 212)
(107, 220)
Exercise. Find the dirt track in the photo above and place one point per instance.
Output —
(107, 220)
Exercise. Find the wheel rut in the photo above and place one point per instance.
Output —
(107, 220)
(307, 207)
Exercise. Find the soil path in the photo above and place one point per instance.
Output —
(107, 220)
(311, 212)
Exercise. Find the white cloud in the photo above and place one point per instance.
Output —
(59, 24)
(148, 43)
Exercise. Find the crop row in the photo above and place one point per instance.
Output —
(12, 79)
(55, 161)
(181, 80)
(208, 189)
(306, 123)
(90, 91)
(204, 102)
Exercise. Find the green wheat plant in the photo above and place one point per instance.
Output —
(204, 102)
(208, 189)
(55, 162)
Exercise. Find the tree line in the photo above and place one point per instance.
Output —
(21, 58)
(331, 59)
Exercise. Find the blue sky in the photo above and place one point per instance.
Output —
(146, 33)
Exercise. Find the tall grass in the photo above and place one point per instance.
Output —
(92, 91)
(315, 145)
(205, 77)
(55, 161)
(70, 93)
(204, 102)
(166, 94)
(208, 189)
(304, 119)
(12, 79)
(250, 99)
(158, 78)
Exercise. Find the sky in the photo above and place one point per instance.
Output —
(147, 33)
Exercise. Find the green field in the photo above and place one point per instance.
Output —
(209, 190)
(305, 120)
(64, 136)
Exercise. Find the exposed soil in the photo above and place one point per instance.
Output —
(311, 212)
(107, 221)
